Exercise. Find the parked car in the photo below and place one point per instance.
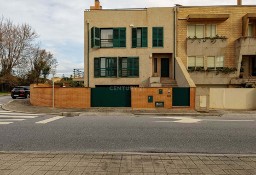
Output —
(20, 91)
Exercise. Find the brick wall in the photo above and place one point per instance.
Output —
(64, 97)
(231, 28)
(140, 97)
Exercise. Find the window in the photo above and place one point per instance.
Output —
(129, 67)
(202, 31)
(155, 65)
(215, 62)
(158, 37)
(105, 67)
(140, 37)
(250, 30)
(108, 38)
(195, 62)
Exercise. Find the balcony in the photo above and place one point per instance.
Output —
(246, 45)
(206, 46)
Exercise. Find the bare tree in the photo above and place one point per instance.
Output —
(16, 42)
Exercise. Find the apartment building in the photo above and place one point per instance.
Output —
(217, 44)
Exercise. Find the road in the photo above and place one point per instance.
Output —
(128, 133)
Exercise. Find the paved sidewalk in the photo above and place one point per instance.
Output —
(125, 164)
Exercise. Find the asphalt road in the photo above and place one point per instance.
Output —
(228, 134)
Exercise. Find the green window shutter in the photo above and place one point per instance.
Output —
(96, 67)
(154, 42)
(134, 37)
(160, 37)
(122, 37)
(133, 66)
(119, 37)
(144, 37)
(116, 42)
(95, 37)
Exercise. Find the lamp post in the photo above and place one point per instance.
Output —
(53, 74)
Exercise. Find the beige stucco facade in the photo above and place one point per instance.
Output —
(229, 28)
(130, 18)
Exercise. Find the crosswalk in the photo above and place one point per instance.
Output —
(7, 117)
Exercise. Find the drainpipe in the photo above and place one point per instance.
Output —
(88, 54)
(175, 38)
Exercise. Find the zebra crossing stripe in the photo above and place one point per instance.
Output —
(18, 116)
(49, 120)
(5, 123)
(11, 119)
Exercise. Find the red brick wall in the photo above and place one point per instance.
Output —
(63, 98)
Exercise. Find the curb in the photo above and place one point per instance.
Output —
(180, 114)
(129, 153)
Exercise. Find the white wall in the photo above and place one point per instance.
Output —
(232, 98)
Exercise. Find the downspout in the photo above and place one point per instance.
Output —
(88, 54)
(175, 38)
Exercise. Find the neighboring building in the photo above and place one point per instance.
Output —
(217, 44)
(128, 46)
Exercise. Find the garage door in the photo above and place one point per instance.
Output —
(111, 96)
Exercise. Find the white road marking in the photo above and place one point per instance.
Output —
(17, 116)
(5, 123)
(49, 120)
(193, 120)
(11, 119)
(13, 113)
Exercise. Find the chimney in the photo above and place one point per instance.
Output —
(96, 5)
(239, 2)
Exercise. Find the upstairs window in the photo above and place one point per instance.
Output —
(195, 62)
(129, 67)
(140, 37)
(215, 62)
(105, 67)
(158, 37)
(108, 37)
(250, 30)
(202, 30)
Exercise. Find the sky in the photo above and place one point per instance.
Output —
(60, 26)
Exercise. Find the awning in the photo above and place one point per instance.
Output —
(207, 17)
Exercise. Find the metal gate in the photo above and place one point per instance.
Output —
(181, 96)
(111, 96)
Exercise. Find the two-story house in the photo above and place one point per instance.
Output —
(127, 48)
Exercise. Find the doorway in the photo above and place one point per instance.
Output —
(165, 67)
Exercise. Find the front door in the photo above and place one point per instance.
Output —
(165, 67)
(254, 66)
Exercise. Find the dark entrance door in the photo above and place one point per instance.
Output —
(254, 66)
(165, 67)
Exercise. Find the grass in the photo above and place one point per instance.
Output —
(4, 93)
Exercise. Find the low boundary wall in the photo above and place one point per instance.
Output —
(63, 97)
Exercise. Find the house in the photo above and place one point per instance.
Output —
(217, 44)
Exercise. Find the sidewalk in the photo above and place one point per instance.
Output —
(23, 105)
(125, 164)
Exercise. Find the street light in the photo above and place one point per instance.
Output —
(53, 71)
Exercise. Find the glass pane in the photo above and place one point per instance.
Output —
(191, 62)
(250, 30)
(103, 67)
(210, 30)
(106, 37)
(199, 62)
(210, 62)
(191, 31)
(199, 31)
(138, 37)
(220, 61)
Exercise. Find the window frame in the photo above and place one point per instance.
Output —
(215, 63)
(156, 38)
(205, 30)
(107, 71)
(143, 39)
(132, 67)
(195, 67)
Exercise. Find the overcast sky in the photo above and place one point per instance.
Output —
(59, 23)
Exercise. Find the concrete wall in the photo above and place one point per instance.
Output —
(151, 17)
(64, 97)
(232, 98)
(181, 74)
